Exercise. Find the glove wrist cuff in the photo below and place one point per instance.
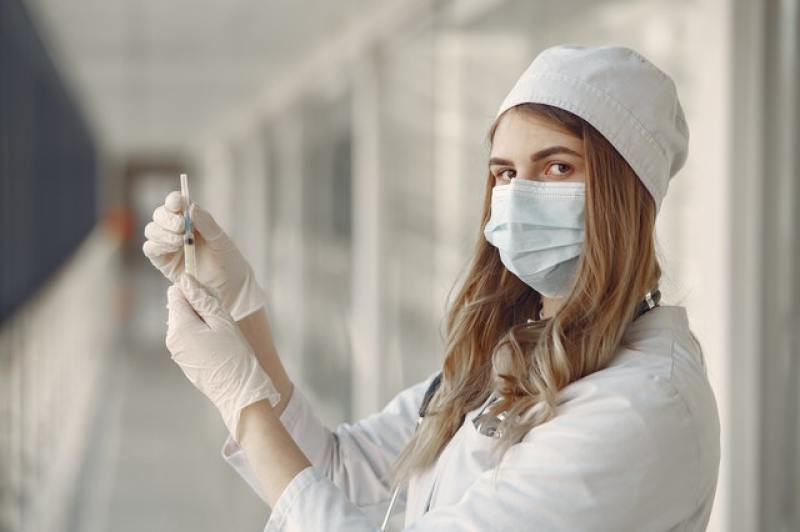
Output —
(257, 387)
(251, 298)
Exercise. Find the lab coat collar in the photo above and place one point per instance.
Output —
(673, 317)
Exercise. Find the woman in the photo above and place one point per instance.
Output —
(569, 399)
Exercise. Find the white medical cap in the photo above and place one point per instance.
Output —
(629, 100)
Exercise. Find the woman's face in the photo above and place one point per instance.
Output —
(527, 147)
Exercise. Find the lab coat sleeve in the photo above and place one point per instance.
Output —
(355, 457)
(602, 464)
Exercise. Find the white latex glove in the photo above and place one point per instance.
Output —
(214, 355)
(220, 265)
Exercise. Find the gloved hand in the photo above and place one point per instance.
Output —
(220, 265)
(212, 352)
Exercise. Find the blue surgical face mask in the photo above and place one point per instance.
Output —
(538, 228)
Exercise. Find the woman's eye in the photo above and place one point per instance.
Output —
(563, 166)
(503, 175)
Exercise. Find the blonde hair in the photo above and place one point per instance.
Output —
(490, 345)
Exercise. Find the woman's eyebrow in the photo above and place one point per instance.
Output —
(541, 154)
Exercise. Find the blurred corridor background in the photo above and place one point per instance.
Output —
(343, 147)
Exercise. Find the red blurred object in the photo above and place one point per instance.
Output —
(120, 220)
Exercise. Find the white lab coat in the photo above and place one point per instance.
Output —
(634, 446)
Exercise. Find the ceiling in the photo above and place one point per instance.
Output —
(150, 74)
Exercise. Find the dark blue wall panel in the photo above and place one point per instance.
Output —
(48, 166)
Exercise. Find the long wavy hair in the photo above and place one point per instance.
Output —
(491, 345)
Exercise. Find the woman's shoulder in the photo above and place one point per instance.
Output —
(658, 346)
(659, 362)
(654, 399)
(641, 434)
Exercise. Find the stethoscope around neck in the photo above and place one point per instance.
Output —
(487, 426)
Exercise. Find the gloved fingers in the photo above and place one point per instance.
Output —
(208, 228)
(154, 250)
(174, 201)
(158, 234)
(168, 220)
(167, 261)
(206, 304)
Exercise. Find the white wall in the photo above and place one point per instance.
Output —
(52, 351)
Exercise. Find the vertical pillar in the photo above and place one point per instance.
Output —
(739, 479)
(287, 289)
(366, 326)
(250, 203)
